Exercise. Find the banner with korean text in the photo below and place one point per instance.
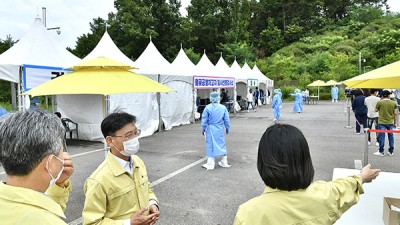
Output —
(200, 82)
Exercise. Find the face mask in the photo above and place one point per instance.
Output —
(131, 147)
(54, 179)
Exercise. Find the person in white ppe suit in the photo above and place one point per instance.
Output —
(214, 118)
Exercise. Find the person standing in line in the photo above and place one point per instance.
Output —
(386, 121)
(335, 93)
(290, 196)
(119, 191)
(213, 120)
(224, 99)
(256, 96)
(262, 97)
(276, 105)
(298, 102)
(360, 111)
(33, 155)
(372, 115)
(267, 96)
(250, 101)
(307, 95)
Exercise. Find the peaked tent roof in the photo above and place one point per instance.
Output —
(223, 67)
(260, 76)
(107, 48)
(36, 47)
(248, 72)
(184, 65)
(238, 73)
(151, 62)
(206, 68)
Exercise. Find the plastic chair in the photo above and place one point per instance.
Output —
(70, 126)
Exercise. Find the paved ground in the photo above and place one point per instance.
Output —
(188, 194)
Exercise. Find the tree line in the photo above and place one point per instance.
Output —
(293, 42)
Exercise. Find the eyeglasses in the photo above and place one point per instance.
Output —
(130, 134)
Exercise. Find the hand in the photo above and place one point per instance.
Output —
(139, 219)
(227, 131)
(367, 174)
(68, 170)
(153, 210)
(202, 132)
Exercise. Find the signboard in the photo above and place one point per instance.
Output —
(200, 82)
(270, 83)
(35, 75)
(252, 82)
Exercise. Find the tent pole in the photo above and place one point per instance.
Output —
(21, 105)
(13, 96)
(159, 106)
(193, 120)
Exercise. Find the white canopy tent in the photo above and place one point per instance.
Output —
(226, 72)
(176, 108)
(39, 50)
(206, 68)
(186, 68)
(241, 81)
(264, 82)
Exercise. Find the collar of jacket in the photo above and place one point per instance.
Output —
(116, 168)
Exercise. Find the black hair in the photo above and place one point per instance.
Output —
(284, 160)
(385, 93)
(58, 114)
(116, 121)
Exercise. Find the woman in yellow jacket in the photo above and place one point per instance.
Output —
(285, 166)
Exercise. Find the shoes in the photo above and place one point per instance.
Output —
(210, 163)
(390, 153)
(248, 111)
(224, 162)
(377, 144)
(357, 133)
(369, 143)
(378, 153)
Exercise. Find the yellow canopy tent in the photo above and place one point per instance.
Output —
(317, 83)
(384, 77)
(331, 83)
(101, 76)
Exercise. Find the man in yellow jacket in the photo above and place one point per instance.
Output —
(118, 191)
(32, 153)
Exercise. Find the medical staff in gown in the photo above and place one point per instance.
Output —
(298, 101)
(276, 104)
(280, 98)
(335, 93)
(214, 119)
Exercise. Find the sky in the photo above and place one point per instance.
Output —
(72, 16)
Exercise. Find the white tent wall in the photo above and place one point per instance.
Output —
(177, 107)
(241, 90)
(86, 110)
(142, 105)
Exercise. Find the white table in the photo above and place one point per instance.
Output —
(368, 211)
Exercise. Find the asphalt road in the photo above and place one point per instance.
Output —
(189, 194)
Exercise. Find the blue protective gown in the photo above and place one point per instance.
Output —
(215, 116)
(298, 102)
(335, 93)
(280, 99)
(276, 101)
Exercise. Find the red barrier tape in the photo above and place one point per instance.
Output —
(385, 131)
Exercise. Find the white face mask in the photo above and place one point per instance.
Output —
(54, 179)
(131, 147)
